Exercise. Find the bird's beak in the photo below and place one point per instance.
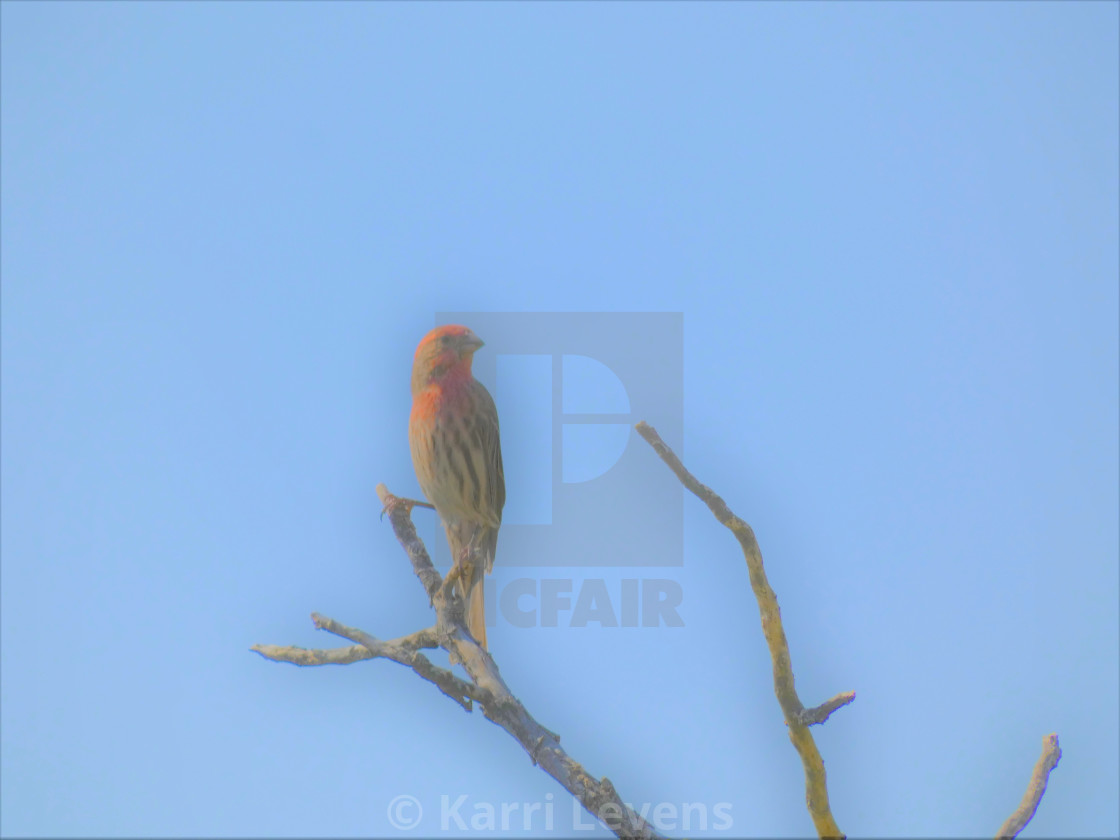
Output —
(470, 343)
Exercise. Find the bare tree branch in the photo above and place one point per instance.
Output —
(797, 717)
(1051, 754)
(486, 686)
(498, 703)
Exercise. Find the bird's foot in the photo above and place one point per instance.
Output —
(452, 578)
(395, 503)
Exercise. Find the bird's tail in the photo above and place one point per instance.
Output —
(473, 549)
(474, 603)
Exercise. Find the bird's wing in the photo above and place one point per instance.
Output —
(494, 493)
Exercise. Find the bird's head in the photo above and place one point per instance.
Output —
(445, 351)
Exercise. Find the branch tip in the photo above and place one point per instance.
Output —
(821, 713)
(1051, 755)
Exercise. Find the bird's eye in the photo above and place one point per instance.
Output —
(445, 339)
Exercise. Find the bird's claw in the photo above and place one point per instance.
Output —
(395, 503)
(392, 503)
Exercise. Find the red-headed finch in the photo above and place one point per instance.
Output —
(453, 434)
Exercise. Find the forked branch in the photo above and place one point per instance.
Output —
(798, 718)
(485, 687)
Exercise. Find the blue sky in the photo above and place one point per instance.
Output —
(890, 232)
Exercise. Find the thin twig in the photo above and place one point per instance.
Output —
(403, 650)
(1051, 754)
(304, 657)
(816, 790)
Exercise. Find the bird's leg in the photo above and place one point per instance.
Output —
(463, 564)
(462, 567)
(453, 575)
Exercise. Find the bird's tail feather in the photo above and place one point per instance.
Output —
(474, 548)
(474, 603)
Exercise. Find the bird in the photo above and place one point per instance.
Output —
(457, 456)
